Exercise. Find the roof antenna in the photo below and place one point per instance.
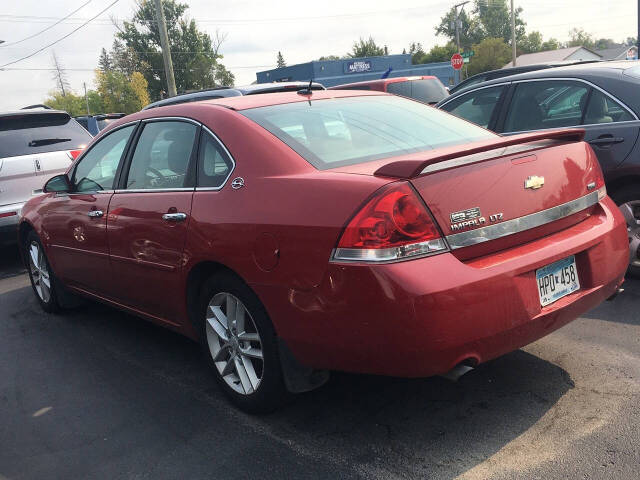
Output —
(307, 91)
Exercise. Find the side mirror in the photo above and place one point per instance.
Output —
(59, 183)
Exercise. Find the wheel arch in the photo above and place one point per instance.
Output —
(196, 276)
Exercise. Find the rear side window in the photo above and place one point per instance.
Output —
(162, 155)
(603, 109)
(214, 165)
(425, 90)
(346, 131)
(548, 104)
(477, 107)
(97, 168)
(38, 133)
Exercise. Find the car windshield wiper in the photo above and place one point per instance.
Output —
(47, 141)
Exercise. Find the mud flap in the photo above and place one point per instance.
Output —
(297, 377)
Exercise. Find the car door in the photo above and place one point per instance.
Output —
(75, 224)
(610, 128)
(149, 216)
(480, 106)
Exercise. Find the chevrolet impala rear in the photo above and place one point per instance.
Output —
(473, 246)
(297, 233)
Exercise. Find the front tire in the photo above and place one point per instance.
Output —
(42, 278)
(240, 344)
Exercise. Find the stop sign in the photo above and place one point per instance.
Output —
(457, 61)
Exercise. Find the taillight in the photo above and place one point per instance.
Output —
(393, 225)
(74, 154)
(8, 214)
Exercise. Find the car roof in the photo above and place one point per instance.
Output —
(383, 81)
(606, 75)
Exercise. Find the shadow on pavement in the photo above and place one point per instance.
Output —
(131, 399)
(10, 262)
(625, 308)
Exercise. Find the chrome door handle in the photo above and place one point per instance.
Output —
(95, 213)
(174, 217)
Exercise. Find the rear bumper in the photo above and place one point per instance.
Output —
(423, 317)
(9, 224)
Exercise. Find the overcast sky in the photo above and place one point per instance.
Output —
(257, 30)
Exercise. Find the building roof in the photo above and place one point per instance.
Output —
(619, 52)
(548, 56)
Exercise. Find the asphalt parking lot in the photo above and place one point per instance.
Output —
(96, 393)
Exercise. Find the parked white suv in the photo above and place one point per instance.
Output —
(34, 146)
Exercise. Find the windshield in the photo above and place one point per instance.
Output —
(346, 131)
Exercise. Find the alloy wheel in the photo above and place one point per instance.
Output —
(631, 212)
(39, 272)
(234, 343)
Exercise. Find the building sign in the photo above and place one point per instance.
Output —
(632, 53)
(357, 66)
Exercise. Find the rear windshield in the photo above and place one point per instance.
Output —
(35, 133)
(426, 90)
(347, 131)
(104, 123)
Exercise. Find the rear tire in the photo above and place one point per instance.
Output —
(628, 200)
(43, 281)
(240, 345)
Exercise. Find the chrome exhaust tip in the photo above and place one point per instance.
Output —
(456, 372)
(619, 290)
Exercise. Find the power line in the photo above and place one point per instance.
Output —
(48, 28)
(62, 38)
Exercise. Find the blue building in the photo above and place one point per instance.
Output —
(348, 70)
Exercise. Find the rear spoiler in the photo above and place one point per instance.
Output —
(413, 168)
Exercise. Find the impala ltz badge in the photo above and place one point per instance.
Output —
(471, 218)
(534, 182)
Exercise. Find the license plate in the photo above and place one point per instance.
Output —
(557, 280)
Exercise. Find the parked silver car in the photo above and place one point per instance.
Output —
(35, 145)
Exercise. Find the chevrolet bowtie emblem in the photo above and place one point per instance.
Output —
(534, 182)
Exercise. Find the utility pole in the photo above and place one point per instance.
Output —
(513, 34)
(166, 51)
(86, 99)
(457, 25)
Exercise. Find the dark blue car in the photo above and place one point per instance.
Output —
(600, 97)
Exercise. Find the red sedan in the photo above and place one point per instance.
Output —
(297, 233)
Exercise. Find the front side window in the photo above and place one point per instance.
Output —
(603, 109)
(162, 155)
(347, 131)
(214, 165)
(477, 107)
(547, 104)
(97, 168)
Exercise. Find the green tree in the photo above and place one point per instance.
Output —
(280, 61)
(104, 61)
(365, 48)
(69, 102)
(417, 53)
(630, 41)
(195, 55)
(580, 38)
(469, 33)
(120, 93)
(530, 43)
(440, 54)
(490, 54)
(494, 20)
(551, 44)
(329, 57)
(602, 43)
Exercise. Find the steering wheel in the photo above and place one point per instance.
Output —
(161, 179)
